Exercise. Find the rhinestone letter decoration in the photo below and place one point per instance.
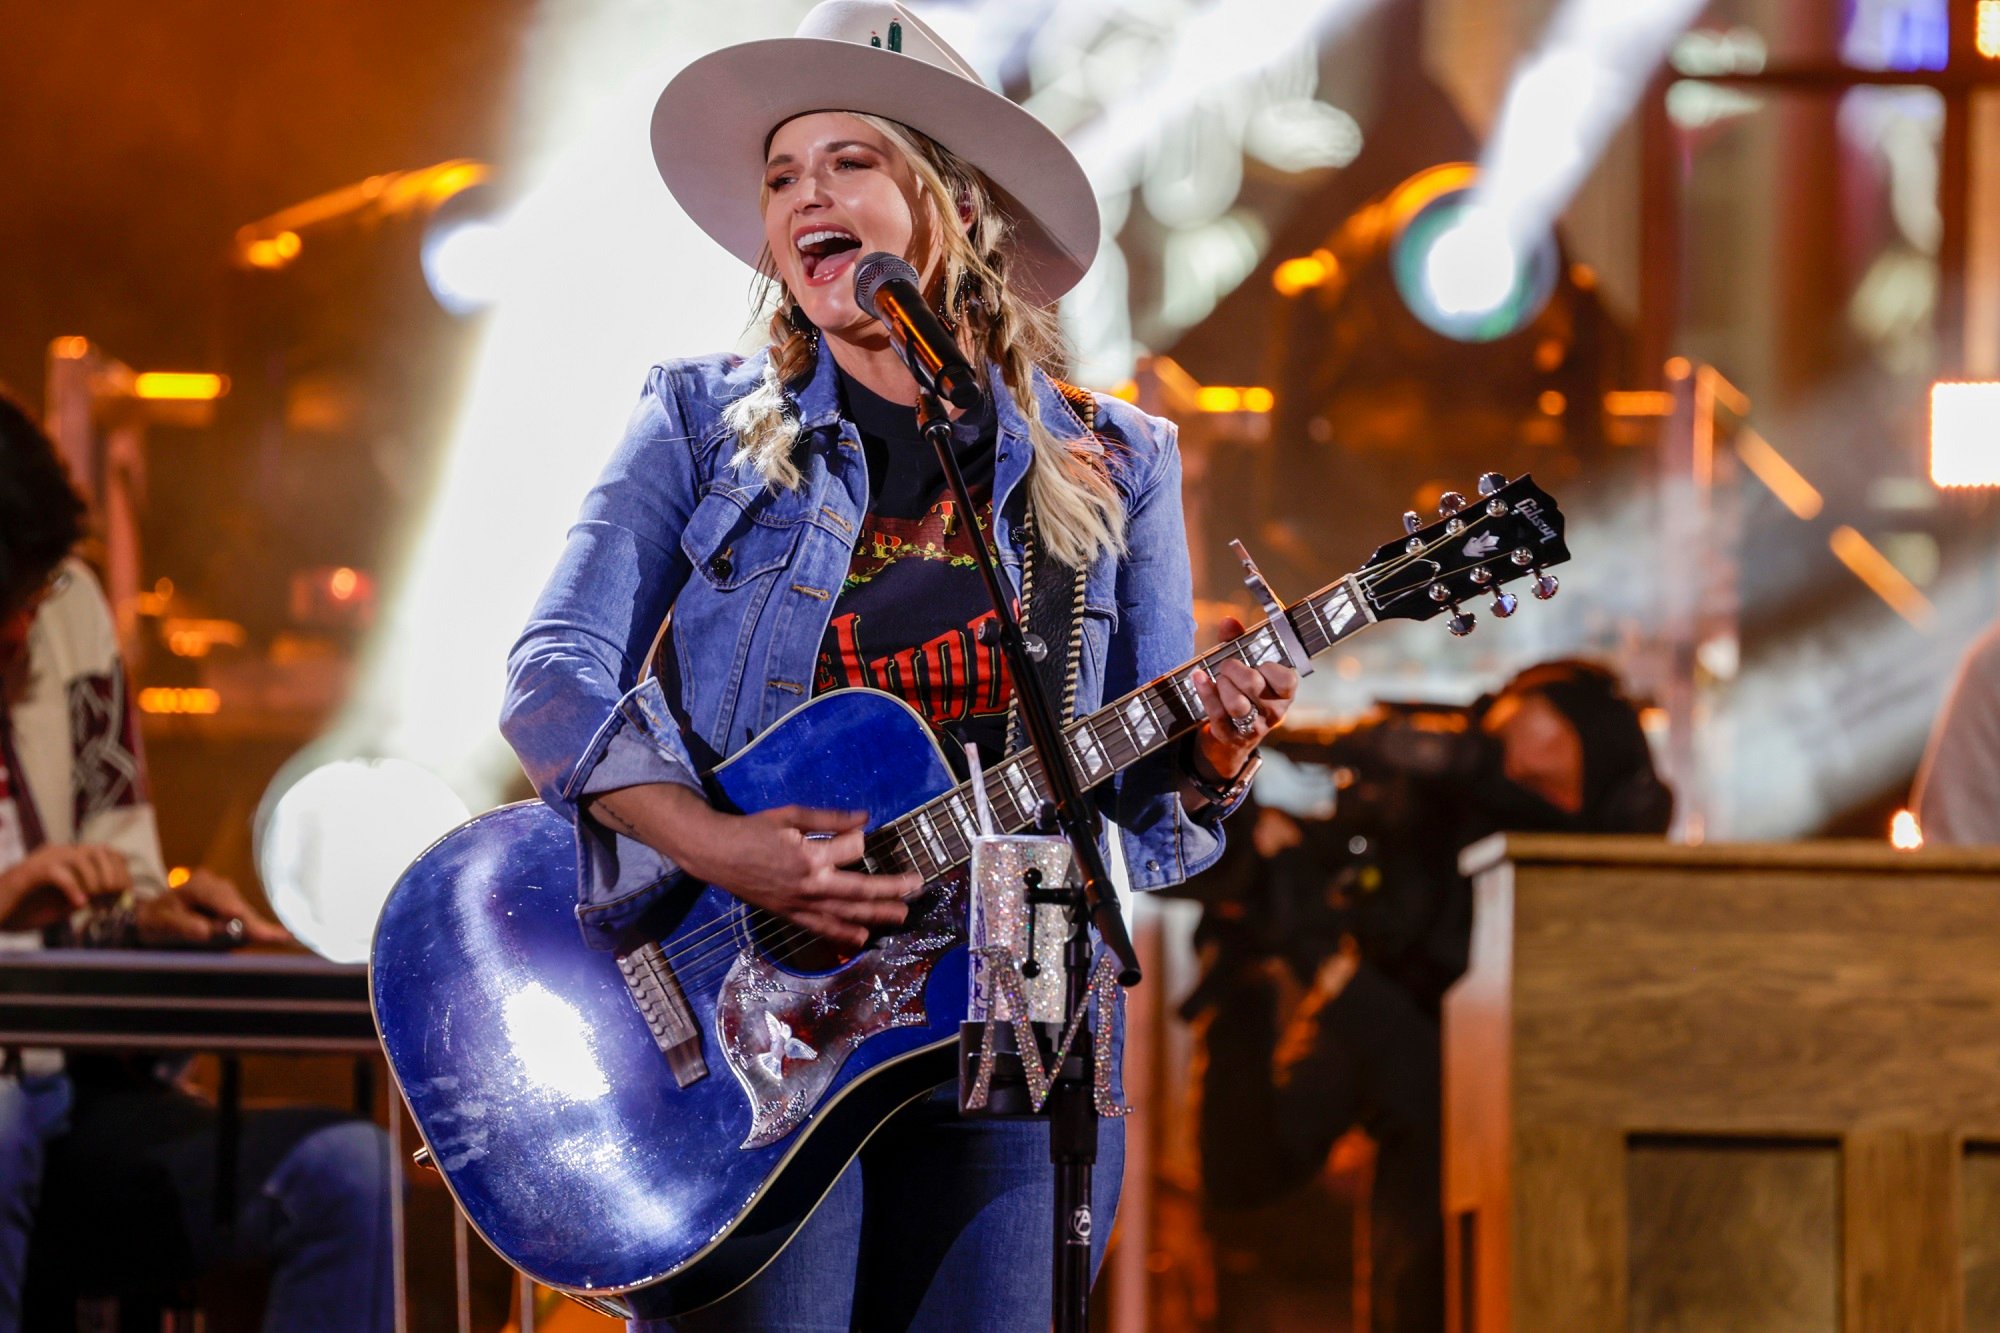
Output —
(1005, 974)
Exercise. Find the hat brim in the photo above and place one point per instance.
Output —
(711, 125)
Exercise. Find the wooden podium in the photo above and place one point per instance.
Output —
(1725, 1088)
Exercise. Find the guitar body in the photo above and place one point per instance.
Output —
(572, 1142)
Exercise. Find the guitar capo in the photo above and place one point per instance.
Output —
(1288, 638)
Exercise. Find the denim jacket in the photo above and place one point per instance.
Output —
(750, 573)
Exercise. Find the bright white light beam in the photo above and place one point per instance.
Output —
(1566, 101)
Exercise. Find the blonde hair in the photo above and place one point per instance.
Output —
(1077, 511)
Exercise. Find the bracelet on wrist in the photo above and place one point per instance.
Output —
(1225, 792)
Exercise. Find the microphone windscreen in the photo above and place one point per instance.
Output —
(874, 270)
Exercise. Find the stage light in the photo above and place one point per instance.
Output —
(332, 843)
(1986, 29)
(1778, 475)
(271, 252)
(1868, 564)
(1456, 264)
(175, 387)
(1565, 102)
(168, 701)
(1638, 403)
(1230, 398)
(1304, 273)
(1905, 834)
(1965, 433)
(465, 261)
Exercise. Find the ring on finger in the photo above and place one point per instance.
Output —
(1245, 725)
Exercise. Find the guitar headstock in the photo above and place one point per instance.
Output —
(1512, 530)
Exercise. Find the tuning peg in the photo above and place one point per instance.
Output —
(1461, 623)
(1522, 557)
(1544, 586)
(1440, 593)
(1489, 482)
(1412, 520)
(1481, 575)
(1505, 604)
(1450, 503)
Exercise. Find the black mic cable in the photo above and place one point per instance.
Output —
(885, 286)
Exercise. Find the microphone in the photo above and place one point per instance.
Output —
(885, 286)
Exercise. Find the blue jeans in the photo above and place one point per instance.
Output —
(32, 1112)
(313, 1202)
(940, 1224)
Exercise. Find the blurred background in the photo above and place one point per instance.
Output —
(337, 310)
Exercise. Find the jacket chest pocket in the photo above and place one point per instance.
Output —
(722, 618)
(729, 550)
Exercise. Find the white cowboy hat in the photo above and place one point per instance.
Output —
(714, 120)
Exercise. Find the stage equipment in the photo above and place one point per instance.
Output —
(1459, 266)
(650, 1127)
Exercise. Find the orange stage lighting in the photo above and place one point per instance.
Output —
(1986, 29)
(1304, 273)
(178, 387)
(1638, 403)
(163, 699)
(1868, 564)
(1229, 398)
(1905, 835)
(1785, 481)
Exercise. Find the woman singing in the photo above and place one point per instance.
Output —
(787, 516)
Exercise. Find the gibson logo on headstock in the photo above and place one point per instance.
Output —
(1532, 511)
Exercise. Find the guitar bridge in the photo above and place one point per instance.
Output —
(654, 988)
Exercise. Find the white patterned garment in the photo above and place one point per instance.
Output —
(75, 734)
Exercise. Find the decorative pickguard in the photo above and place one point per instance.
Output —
(786, 1036)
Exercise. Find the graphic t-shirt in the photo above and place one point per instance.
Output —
(907, 619)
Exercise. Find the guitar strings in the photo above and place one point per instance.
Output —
(719, 937)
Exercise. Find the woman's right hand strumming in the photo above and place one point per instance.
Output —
(787, 861)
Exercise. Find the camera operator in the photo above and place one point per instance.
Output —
(1367, 913)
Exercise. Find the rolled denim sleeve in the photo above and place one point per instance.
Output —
(1164, 844)
(576, 712)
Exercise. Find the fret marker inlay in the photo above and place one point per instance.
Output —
(1140, 721)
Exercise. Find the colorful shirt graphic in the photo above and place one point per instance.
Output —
(909, 612)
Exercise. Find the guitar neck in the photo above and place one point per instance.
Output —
(937, 837)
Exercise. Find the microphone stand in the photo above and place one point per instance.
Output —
(1072, 1108)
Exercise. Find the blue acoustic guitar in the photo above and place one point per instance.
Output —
(645, 1130)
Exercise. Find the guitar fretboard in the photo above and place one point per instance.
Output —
(936, 838)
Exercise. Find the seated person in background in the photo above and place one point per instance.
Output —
(80, 863)
(1376, 924)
